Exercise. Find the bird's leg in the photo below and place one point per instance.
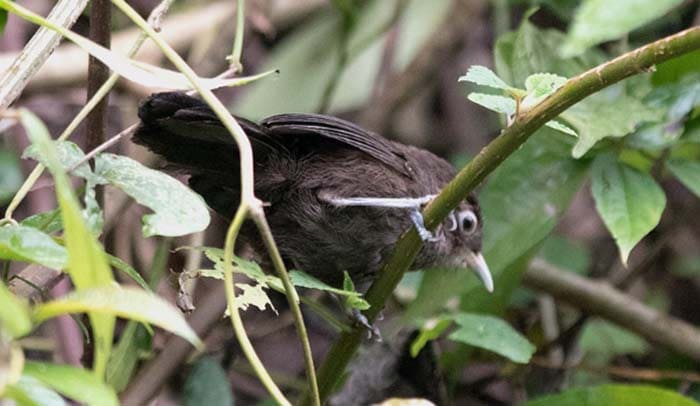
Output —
(413, 204)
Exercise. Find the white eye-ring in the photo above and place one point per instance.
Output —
(453, 221)
(467, 221)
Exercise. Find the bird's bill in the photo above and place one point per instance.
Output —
(477, 263)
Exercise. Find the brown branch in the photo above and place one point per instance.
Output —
(98, 73)
(601, 299)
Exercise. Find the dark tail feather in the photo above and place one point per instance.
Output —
(190, 137)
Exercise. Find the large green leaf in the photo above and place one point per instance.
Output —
(493, 334)
(619, 395)
(688, 172)
(29, 391)
(600, 341)
(131, 303)
(76, 383)
(87, 264)
(207, 384)
(597, 21)
(10, 175)
(14, 313)
(22, 243)
(178, 210)
(629, 202)
(521, 204)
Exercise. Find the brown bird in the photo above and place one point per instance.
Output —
(339, 196)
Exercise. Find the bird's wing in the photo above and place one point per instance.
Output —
(297, 125)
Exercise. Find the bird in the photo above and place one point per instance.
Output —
(337, 197)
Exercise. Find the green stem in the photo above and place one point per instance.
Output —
(292, 299)
(235, 316)
(635, 62)
(235, 57)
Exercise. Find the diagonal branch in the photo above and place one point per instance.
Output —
(525, 124)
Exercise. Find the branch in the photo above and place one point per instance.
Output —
(37, 50)
(601, 299)
(510, 139)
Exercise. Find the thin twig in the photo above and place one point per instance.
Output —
(235, 58)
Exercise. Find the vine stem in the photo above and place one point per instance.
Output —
(249, 204)
(524, 125)
(235, 316)
(235, 57)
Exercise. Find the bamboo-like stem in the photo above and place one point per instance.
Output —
(235, 316)
(510, 139)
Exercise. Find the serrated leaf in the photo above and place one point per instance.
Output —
(637, 395)
(87, 265)
(598, 21)
(493, 334)
(688, 172)
(207, 384)
(14, 313)
(483, 76)
(76, 383)
(561, 127)
(253, 295)
(22, 243)
(539, 86)
(131, 303)
(629, 202)
(499, 104)
(178, 210)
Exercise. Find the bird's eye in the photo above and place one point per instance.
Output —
(467, 221)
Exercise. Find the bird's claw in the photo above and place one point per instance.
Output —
(373, 332)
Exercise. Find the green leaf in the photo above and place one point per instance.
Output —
(10, 175)
(253, 295)
(14, 313)
(493, 334)
(430, 330)
(76, 383)
(483, 76)
(22, 243)
(354, 299)
(688, 172)
(600, 341)
(48, 222)
(566, 254)
(610, 113)
(629, 202)
(674, 69)
(622, 395)
(31, 392)
(561, 127)
(134, 343)
(129, 270)
(539, 86)
(178, 210)
(87, 265)
(207, 384)
(499, 104)
(68, 153)
(598, 21)
(131, 303)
